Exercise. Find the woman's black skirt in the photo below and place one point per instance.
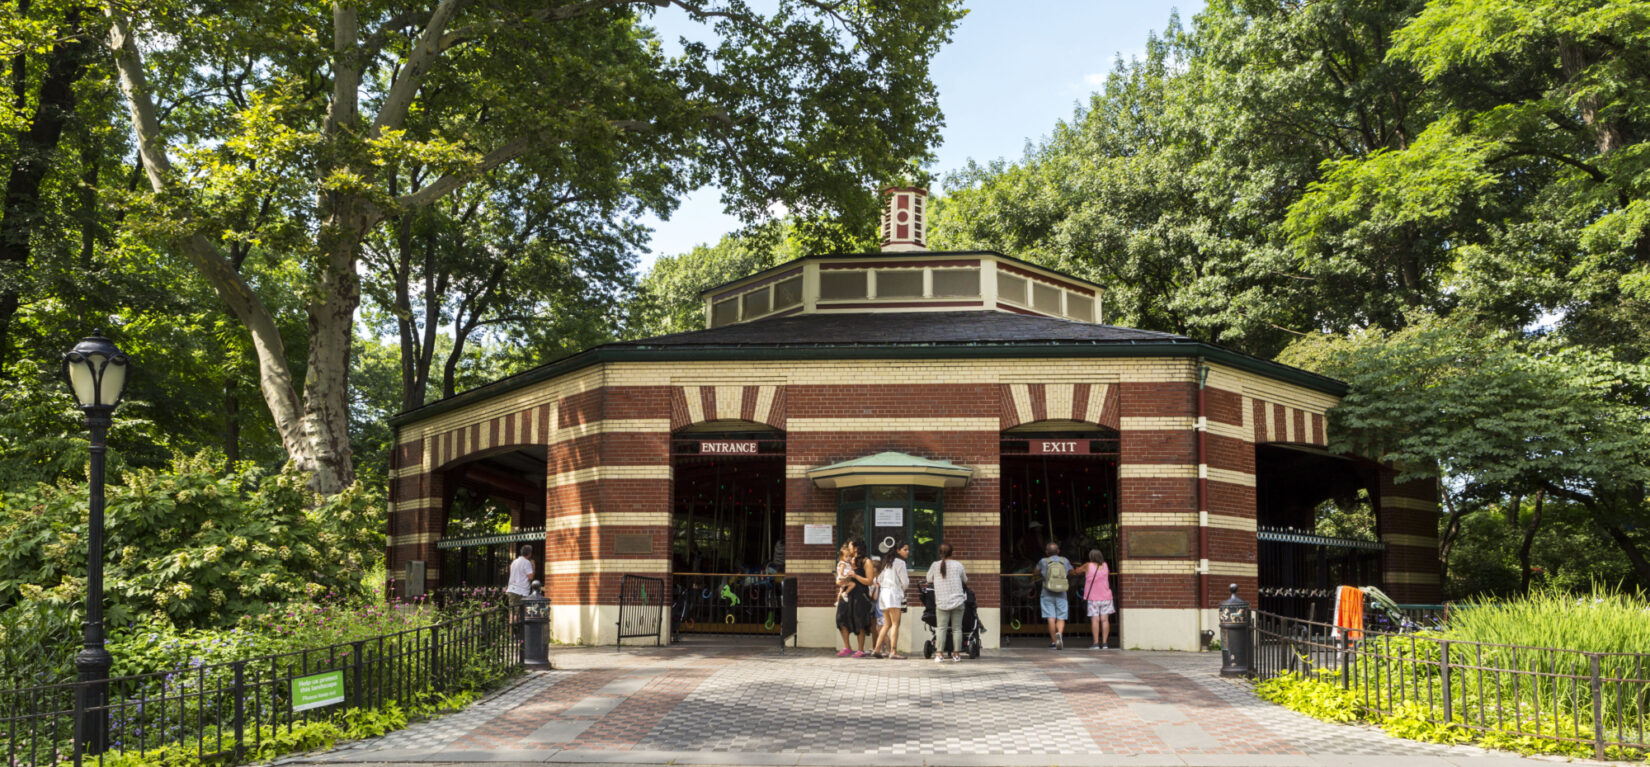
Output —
(854, 613)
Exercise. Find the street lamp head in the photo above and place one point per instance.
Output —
(97, 372)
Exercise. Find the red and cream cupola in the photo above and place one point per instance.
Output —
(903, 277)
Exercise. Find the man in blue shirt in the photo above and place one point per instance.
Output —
(1054, 571)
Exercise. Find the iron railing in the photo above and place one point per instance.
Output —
(641, 608)
(727, 603)
(227, 711)
(1569, 696)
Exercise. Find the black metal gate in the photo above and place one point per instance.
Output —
(641, 608)
(1300, 570)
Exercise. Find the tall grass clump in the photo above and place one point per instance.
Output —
(1605, 621)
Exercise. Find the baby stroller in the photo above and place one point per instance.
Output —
(971, 628)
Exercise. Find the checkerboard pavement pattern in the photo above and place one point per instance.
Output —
(1030, 705)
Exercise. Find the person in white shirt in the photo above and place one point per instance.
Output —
(892, 581)
(950, 596)
(521, 577)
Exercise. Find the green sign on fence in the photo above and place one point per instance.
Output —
(317, 690)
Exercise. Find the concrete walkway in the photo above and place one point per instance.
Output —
(707, 704)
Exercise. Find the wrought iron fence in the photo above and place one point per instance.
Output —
(641, 608)
(227, 711)
(726, 603)
(1601, 699)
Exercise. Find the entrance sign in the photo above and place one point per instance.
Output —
(817, 534)
(728, 447)
(890, 516)
(317, 690)
(1059, 447)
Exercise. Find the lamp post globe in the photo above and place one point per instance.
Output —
(96, 370)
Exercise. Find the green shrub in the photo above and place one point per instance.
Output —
(191, 547)
(1316, 698)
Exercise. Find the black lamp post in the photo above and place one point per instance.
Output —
(97, 373)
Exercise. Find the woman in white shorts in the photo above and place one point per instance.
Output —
(892, 581)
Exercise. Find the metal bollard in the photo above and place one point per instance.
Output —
(535, 629)
(1236, 637)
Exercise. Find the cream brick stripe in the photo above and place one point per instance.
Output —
(1183, 519)
(1231, 430)
(1229, 522)
(1164, 423)
(1057, 399)
(695, 404)
(1413, 504)
(414, 538)
(941, 371)
(557, 436)
(1020, 395)
(416, 504)
(1157, 567)
(1097, 402)
(1423, 541)
(594, 473)
(880, 424)
(600, 518)
(1413, 578)
(1239, 569)
(1157, 471)
(972, 519)
(609, 565)
(764, 403)
(1157, 519)
(973, 567)
(1228, 476)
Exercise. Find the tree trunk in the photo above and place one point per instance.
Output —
(35, 147)
(1641, 565)
(1514, 505)
(231, 423)
(1452, 531)
(1529, 539)
(331, 333)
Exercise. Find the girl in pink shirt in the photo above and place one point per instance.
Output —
(1097, 593)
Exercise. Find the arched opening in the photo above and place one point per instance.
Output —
(1316, 529)
(1059, 484)
(494, 504)
(727, 527)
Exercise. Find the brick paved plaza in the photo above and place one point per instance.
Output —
(752, 705)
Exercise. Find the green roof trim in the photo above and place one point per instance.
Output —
(641, 352)
(892, 459)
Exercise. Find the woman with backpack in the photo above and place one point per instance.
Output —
(1097, 596)
(1055, 573)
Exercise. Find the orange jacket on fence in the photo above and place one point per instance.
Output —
(1349, 612)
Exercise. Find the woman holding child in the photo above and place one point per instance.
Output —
(853, 599)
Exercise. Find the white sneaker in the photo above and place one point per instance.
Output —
(939, 657)
(956, 658)
(1060, 641)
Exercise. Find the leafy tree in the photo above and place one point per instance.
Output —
(291, 140)
(668, 298)
(1498, 415)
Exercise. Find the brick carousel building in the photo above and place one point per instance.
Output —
(903, 394)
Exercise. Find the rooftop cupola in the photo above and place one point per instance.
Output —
(903, 277)
(904, 219)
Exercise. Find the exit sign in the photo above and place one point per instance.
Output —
(1059, 447)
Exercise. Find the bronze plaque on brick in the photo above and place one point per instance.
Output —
(633, 543)
(1159, 543)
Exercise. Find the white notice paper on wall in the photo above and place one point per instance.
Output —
(816, 534)
(890, 517)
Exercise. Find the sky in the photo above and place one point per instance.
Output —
(1012, 70)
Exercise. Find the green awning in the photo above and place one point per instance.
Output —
(890, 468)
